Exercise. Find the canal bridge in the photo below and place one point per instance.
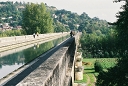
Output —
(53, 68)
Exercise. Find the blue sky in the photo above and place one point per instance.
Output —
(103, 9)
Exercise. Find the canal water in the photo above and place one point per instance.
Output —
(12, 60)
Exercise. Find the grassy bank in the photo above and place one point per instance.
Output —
(89, 74)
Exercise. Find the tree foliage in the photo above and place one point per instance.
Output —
(37, 19)
(12, 13)
(63, 20)
(12, 33)
(118, 75)
(122, 27)
(99, 45)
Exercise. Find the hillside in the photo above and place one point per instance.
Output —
(11, 16)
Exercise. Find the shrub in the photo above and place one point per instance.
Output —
(98, 66)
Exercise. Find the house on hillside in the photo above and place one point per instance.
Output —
(20, 7)
(5, 26)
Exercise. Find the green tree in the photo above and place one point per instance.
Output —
(118, 75)
(122, 27)
(37, 19)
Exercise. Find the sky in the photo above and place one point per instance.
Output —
(103, 9)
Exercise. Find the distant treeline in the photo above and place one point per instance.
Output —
(63, 20)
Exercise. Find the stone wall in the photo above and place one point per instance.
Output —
(7, 43)
(27, 37)
(57, 70)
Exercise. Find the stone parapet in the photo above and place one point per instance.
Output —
(50, 73)
(56, 70)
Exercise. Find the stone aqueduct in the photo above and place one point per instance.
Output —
(60, 69)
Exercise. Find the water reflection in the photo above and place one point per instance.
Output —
(16, 59)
